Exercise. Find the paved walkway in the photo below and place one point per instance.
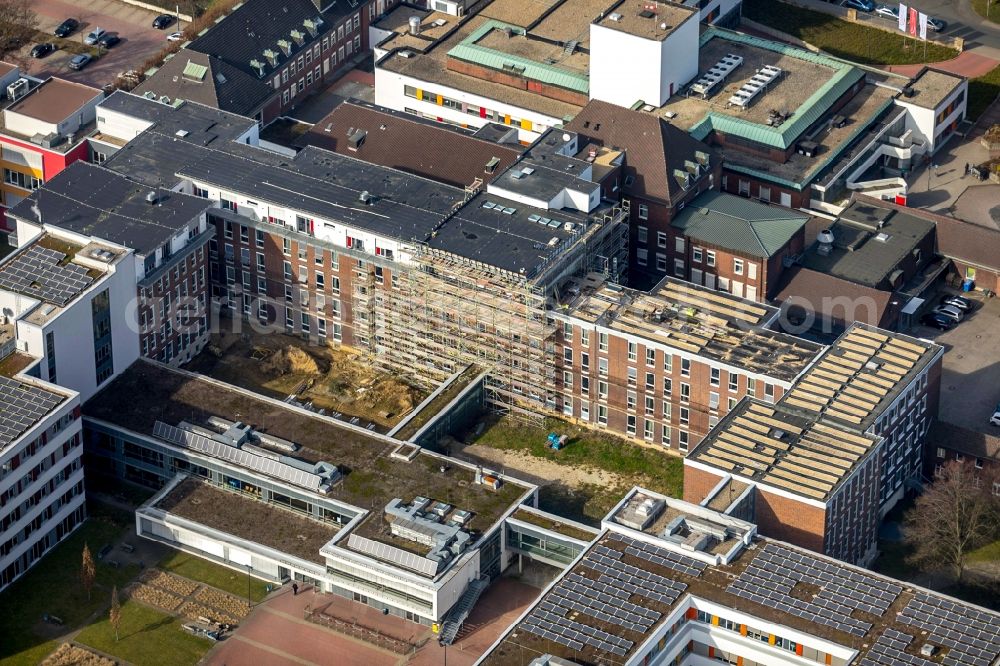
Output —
(968, 64)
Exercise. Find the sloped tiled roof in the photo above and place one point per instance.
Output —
(410, 144)
(970, 442)
(738, 224)
(828, 296)
(219, 85)
(653, 147)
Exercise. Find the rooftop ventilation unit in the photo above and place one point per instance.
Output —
(151, 198)
(181, 133)
(406, 54)
(646, 14)
(615, 16)
(18, 89)
(882, 237)
(414, 23)
(928, 650)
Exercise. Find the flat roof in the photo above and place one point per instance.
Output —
(432, 67)
(433, 26)
(931, 87)
(22, 405)
(201, 125)
(858, 376)
(870, 243)
(808, 85)
(95, 201)
(627, 583)
(54, 100)
(45, 270)
(524, 13)
(776, 446)
(570, 21)
(702, 321)
(226, 511)
(651, 20)
(409, 143)
(373, 476)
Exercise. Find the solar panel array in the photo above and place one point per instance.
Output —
(665, 558)
(612, 595)
(37, 272)
(888, 651)
(232, 454)
(972, 635)
(770, 577)
(22, 406)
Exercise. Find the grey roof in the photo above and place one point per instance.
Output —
(95, 201)
(257, 25)
(203, 124)
(219, 85)
(329, 186)
(870, 243)
(738, 224)
(517, 241)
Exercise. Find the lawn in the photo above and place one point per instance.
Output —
(53, 587)
(216, 575)
(983, 90)
(988, 553)
(851, 41)
(994, 9)
(147, 637)
(588, 448)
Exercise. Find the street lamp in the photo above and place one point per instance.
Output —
(249, 604)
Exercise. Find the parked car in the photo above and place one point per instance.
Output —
(109, 40)
(163, 21)
(94, 36)
(949, 311)
(42, 50)
(175, 36)
(66, 28)
(860, 5)
(936, 24)
(995, 419)
(887, 11)
(960, 302)
(80, 61)
(938, 321)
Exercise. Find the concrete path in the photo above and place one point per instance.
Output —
(969, 64)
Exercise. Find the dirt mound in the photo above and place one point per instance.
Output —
(291, 360)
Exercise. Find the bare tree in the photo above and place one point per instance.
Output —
(955, 515)
(88, 572)
(115, 614)
(18, 23)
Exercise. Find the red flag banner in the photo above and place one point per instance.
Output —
(912, 22)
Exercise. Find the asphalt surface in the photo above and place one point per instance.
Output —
(132, 24)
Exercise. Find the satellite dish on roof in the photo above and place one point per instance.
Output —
(566, 136)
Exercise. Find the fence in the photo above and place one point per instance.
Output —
(360, 632)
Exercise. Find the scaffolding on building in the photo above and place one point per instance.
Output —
(448, 311)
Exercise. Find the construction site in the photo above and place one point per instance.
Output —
(333, 381)
(452, 311)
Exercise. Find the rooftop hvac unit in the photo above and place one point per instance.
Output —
(414, 23)
(18, 89)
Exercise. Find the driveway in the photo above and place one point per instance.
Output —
(970, 376)
(133, 24)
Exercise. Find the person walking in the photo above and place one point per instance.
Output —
(295, 589)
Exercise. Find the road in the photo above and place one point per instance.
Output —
(132, 24)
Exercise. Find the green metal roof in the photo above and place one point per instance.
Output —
(845, 75)
(738, 224)
(469, 51)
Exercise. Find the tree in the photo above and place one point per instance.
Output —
(18, 23)
(115, 614)
(955, 515)
(87, 571)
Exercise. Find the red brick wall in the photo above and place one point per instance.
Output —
(515, 81)
(698, 483)
(790, 520)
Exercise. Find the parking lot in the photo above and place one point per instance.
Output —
(132, 24)
(970, 378)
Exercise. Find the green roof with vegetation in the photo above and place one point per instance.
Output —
(469, 51)
(738, 224)
(844, 76)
